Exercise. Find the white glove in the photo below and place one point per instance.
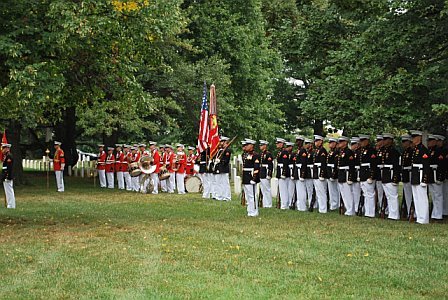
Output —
(292, 177)
(423, 184)
(252, 182)
(349, 182)
(62, 167)
(217, 161)
(331, 179)
(302, 179)
(217, 171)
(394, 184)
(282, 177)
(369, 180)
(438, 182)
(358, 179)
(321, 178)
(268, 177)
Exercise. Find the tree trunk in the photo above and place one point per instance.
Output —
(318, 127)
(13, 135)
(65, 132)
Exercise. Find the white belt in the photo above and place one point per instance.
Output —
(380, 166)
(4, 168)
(280, 165)
(309, 166)
(330, 165)
(248, 169)
(318, 164)
(407, 168)
(388, 166)
(433, 166)
(365, 165)
(202, 163)
(344, 168)
(265, 165)
(357, 167)
(298, 165)
(420, 166)
(291, 165)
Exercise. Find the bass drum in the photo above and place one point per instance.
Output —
(193, 184)
(164, 173)
(134, 169)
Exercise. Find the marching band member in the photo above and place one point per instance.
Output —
(367, 162)
(436, 176)
(332, 173)
(7, 175)
(110, 167)
(143, 178)
(266, 168)
(58, 166)
(419, 177)
(356, 186)
(164, 163)
(155, 175)
(346, 170)
(191, 158)
(169, 162)
(251, 170)
(125, 167)
(320, 173)
(406, 166)
(119, 161)
(181, 163)
(135, 158)
(101, 166)
(222, 170)
(390, 175)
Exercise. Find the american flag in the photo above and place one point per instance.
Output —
(203, 124)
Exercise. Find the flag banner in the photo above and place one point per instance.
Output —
(214, 132)
(203, 123)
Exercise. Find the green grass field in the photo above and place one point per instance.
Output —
(91, 243)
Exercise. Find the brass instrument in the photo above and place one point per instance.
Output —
(146, 164)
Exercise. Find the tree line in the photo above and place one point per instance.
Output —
(86, 71)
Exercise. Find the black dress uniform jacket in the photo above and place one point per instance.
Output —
(283, 161)
(420, 165)
(367, 160)
(202, 162)
(406, 165)
(251, 167)
(332, 168)
(267, 165)
(346, 164)
(224, 164)
(436, 164)
(320, 163)
(390, 160)
(7, 167)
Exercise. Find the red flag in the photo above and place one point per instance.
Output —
(213, 135)
(203, 123)
(4, 140)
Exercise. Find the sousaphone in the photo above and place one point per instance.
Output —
(146, 164)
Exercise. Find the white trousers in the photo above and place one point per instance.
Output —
(155, 182)
(347, 197)
(283, 187)
(128, 181)
(9, 193)
(171, 183)
(135, 183)
(356, 190)
(301, 194)
(369, 198)
(420, 195)
(333, 191)
(205, 177)
(222, 187)
(212, 186)
(110, 179)
(120, 180)
(321, 194)
(391, 192)
(407, 192)
(309, 191)
(436, 191)
(102, 177)
(252, 204)
(445, 197)
(164, 185)
(59, 180)
(180, 182)
(144, 180)
(265, 186)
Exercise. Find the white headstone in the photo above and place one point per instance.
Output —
(237, 185)
(274, 187)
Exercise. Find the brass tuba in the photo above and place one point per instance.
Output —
(146, 164)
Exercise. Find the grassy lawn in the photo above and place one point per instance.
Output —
(91, 243)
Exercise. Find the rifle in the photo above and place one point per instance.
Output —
(403, 208)
(376, 200)
(278, 198)
(412, 212)
(243, 198)
(225, 148)
(260, 197)
(341, 206)
(383, 207)
(294, 199)
(361, 204)
(313, 200)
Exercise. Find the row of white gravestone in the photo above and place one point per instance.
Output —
(83, 168)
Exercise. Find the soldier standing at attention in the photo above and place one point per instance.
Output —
(390, 175)
(58, 166)
(333, 188)
(282, 171)
(379, 186)
(419, 177)
(251, 172)
(110, 167)
(267, 166)
(7, 176)
(356, 186)
(308, 163)
(101, 166)
(320, 173)
(346, 171)
(406, 165)
(299, 173)
(222, 170)
(436, 177)
(367, 161)
(119, 160)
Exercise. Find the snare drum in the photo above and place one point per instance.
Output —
(134, 169)
(193, 184)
